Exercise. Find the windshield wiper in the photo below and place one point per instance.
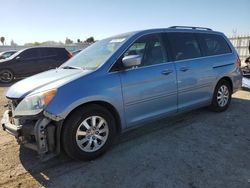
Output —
(71, 67)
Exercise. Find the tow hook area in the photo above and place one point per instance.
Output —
(40, 135)
(44, 133)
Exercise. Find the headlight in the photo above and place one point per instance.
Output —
(34, 104)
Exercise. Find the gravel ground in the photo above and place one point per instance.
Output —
(198, 149)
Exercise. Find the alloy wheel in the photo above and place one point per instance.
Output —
(92, 133)
(223, 96)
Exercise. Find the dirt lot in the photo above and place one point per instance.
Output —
(197, 149)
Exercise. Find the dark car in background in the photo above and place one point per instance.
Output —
(30, 61)
(6, 54)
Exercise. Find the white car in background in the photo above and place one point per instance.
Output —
(6, 54)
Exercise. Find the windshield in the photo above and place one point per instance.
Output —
(96, 54)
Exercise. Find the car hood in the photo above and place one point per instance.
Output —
(44, 81)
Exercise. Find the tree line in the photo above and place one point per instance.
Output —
(2, 39)
(89, 40)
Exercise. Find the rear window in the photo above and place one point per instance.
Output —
(62, 51)
(214, 44)
(185, 46)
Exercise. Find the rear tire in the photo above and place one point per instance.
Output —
(222, 96)
(88, 132)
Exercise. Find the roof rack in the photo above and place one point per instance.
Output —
(190, 27)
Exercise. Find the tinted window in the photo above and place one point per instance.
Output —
(214, 44)
(47, 52)
(184, 46)
(30, 53)
(61, 51)
(150, 48)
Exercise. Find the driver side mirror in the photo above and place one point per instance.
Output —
(18, 58)
(131, 61)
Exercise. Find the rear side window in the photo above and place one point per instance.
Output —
(47, 52)
(184, 45)
(214, 44)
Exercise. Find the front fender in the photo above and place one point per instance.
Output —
(106, 88)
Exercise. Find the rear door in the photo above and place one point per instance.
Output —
(56, 57)
(150, 90)
(194, 73)
(48, 59)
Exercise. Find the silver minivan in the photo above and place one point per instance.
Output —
(118, 83)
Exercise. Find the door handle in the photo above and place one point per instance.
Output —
(184, 69)
(166, 72)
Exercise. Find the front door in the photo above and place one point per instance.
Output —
(27, 62)
(150, 90)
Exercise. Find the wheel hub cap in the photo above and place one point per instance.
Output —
(92, 133)
(223, 96)
(5, 76)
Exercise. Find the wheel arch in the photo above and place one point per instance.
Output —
(227, 78)
(104, 104)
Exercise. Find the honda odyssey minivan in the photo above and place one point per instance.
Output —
(118, 83)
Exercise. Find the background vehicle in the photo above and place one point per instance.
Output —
(120, 82)
(246, 68)
(6, 54)
(246, 72)
(76, 52)
(30, 61)
(247, 61)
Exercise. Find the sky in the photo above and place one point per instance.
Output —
(27, 21)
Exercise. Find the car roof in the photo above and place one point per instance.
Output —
(190, 29)
(44, 47)
(181, 29)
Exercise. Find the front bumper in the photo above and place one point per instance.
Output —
(8, 126)
(37, 134)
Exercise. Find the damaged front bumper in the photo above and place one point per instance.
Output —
(38, 133)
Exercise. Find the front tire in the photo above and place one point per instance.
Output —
(88, 132)
(6, 76)
(222, 96)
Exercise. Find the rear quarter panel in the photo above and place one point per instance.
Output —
(225, 66)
